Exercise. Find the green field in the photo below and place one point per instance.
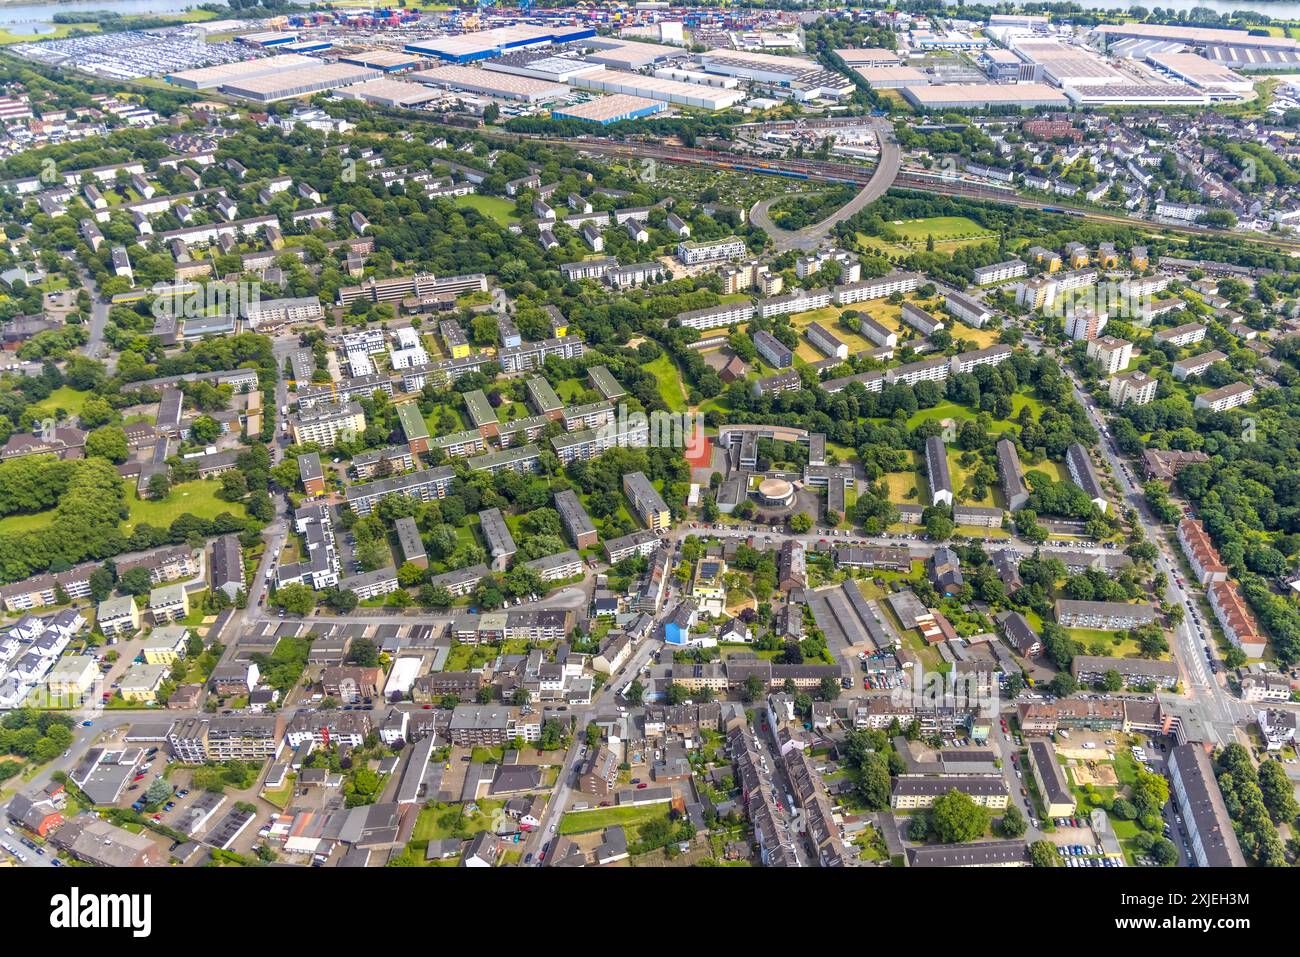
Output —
(16, 524)
(58, 32)
(583, 822)
(66, 398)
(433, 824)
(940, 227)
(961, 413)
(198, 498)
(949, 233)
(670, 382)
(502, 210)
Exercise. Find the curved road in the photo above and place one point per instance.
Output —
(811, 236)
(840, 172)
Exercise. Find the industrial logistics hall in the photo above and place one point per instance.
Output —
(525, 68)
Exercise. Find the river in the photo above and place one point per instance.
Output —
(35, 18)
(1281, 10)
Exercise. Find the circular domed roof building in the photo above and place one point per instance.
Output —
(775, 493)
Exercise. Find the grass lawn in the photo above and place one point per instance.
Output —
(16, 524)
(961, 413)
(902, 483)
(669, 378)
(597, 819)
(977, 338)
(502, 210)
(58, 32)
(940, 227)
(465, 657)
(64, 397)
(949, 233)
(280, 796)
(1125, 648)
(961, 480)
(199, 498)
(829, 319)
(435, 823)
(571, 389)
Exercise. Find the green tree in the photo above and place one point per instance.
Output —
(108, 443)
(158, 792)
(635, 692)
(1064, 685)
(364, 653)
(160, 486)
(296, 599)
(1013, 822)
(955, 818)
(135, 581)
(873, 782)
(1044, 854)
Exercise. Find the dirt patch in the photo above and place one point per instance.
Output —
(1085, 755)
(1100, 775)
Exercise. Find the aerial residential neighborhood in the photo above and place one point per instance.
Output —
(630, 435)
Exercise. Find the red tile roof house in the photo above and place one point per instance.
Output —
(40, 816)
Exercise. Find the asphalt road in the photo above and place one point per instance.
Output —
(1218, 708)
(811, 236)
(98, 318)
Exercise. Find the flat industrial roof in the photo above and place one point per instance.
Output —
(210, 76)
(979, 94)
(381, 58)
(499, 38)
(508, 84)
(317, 75)
(400, 92)
(869, 55)
(611, 50)
(658, 88)
(605, 108)
(793, 63)
(894, 74)
(1196, 68)
(1195, 35)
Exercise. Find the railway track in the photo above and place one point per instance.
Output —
(832, 172)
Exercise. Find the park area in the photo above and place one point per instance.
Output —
(197, 498)
(494, 207)
(948, 232)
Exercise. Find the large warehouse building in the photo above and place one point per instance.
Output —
(1233, 48)
(804, 79)
(630, 54)
(978, 96)
(502, 85)
(1066, 64)
(1214, 78)
(892, 77)
(656, 88)
(390, 61)
(392, 93)
(211, 77)
(610, 109)
(764, 67)
(486, 44)
(1137, 94)
(303, 81)
(535, 64)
